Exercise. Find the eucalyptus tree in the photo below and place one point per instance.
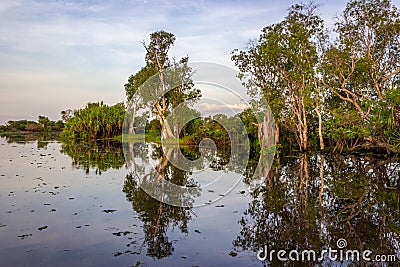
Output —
(362, 67)
(282, 65)
(172, 87)
(364, 62)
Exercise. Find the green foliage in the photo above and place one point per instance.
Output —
(155, 78)
(352, 82)
(387, 118)
(250, 122)
(153, 130)
(282, 67)
(158, 48)
(225, 132)
(44, 124)
(343, 129)
(95, 121)
(136, 80)
(20, 125)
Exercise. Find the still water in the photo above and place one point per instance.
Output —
(81, 205)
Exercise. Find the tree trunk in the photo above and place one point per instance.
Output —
(321, 177)
(131, 129)
(266, 134)
(321, 139)
(305, 138)
(277, 134)
(176, 130)
(166, 132)
(304, 126)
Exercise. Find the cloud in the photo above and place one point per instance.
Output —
(81, 50)
(211, 108)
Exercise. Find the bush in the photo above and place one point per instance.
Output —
(95, 121)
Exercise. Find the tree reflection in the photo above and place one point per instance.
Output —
(100, 156)
(42, 138)
(312, 201)
(158, 218)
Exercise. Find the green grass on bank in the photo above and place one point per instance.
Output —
(130, 137)
(148, 138)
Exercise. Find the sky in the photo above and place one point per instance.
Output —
(57, 55)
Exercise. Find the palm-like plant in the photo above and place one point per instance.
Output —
(95, 121)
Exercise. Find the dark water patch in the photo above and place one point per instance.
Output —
(233, 254)
(43, 228)
(109, 211)
(24, 236)
(122, 233)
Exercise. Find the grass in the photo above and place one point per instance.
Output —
(130, 137)
(148, 138)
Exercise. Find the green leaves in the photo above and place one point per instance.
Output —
(95, 121)
(282, 66)
(353, 81)
(136, 80)
(158, 48)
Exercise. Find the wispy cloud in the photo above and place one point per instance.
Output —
(213, 108)
(59, 54)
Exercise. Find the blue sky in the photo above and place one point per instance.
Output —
(56, 55)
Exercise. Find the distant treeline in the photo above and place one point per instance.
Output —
(44, 124)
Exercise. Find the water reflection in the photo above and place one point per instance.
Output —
(183, 176)
(42, 138)
(310, 202)
(98, 155)
(158, 218)
(307, 202)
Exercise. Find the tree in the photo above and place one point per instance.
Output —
(45, 124)
(157, 57)
(172, 86)
(67, 114)
(282, 67)
(134, 99)
(364, 62)
(362, 67)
